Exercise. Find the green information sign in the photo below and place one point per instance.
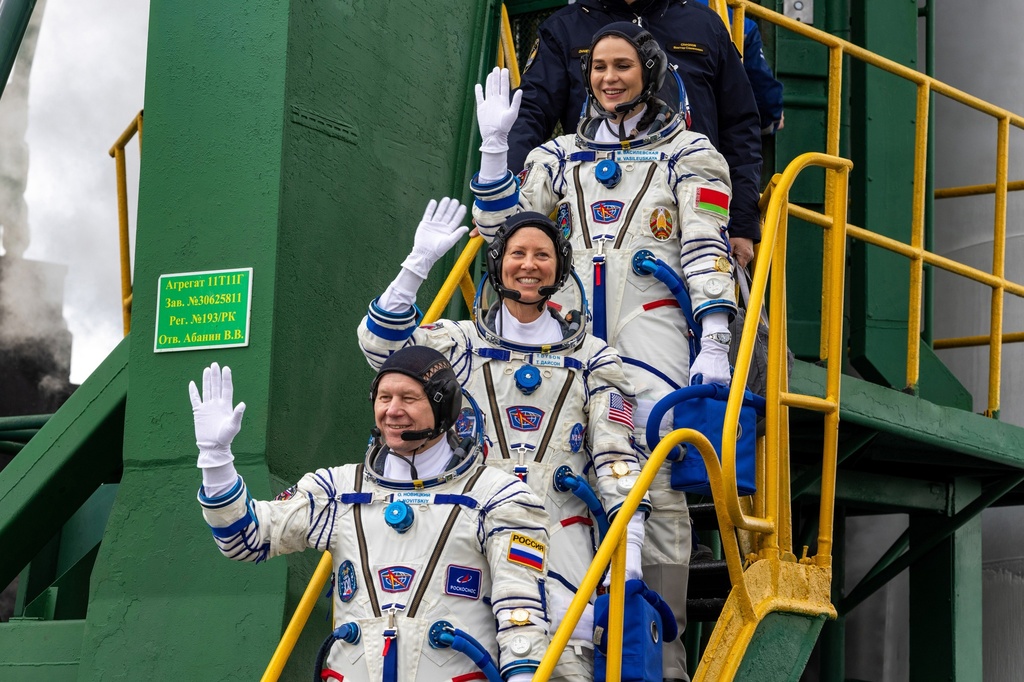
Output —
(196, 310)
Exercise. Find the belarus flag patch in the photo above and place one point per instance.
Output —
(712, 201)
(526, 551)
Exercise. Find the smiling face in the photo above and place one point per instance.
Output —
(529, 263)
(615, 74)
(402, 405)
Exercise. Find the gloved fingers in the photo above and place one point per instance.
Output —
(445, 210)
(494, 83)
(236, 418)
(517, 98)
(455, 236)
(428, 214)
(227, 387)
(207, 388)
(455, 214)
(193, 394)
(696, 379)
(215, 381)
(503, 85)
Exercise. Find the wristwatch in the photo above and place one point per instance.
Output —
(721, 337)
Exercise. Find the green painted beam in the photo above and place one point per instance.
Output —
(76, 451)
(878, 492)
(40, 651)
(922, 542)
(779, 649)
(890, 411)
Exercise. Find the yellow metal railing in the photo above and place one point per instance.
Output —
(915, 252)
(771, 520)
(117, 152)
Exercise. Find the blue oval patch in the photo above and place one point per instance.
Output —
(347, 585)
(465, 425)
(576, 437)
(564, 220)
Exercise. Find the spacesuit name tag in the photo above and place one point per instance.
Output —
(548, 360)
(413, 497)
(638, 155)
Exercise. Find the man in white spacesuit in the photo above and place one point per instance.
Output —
(555, 398)
(425, 538)
(631, 188)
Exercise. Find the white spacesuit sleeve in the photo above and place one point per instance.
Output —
(535, 189)
(699, 176)
(515, 539)
(610, 425)
(381, 333)
(302, 517)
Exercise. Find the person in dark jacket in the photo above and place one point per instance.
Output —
(767, 88)
(721, 100)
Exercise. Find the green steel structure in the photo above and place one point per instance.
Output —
(301, 140)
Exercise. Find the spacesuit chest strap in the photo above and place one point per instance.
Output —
(364, 557)
(442, 540)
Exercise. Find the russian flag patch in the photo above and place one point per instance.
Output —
(526, 551)
(712, 201)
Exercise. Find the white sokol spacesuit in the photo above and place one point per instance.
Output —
(464, 546)
(622, 198)
(554, 397)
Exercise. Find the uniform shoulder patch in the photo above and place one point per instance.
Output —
(463, 581)
(712, 201)
(526, 551)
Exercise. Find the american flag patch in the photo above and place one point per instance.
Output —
(620, 410)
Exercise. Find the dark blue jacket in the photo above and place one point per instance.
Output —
(767, 89)
(721, 102)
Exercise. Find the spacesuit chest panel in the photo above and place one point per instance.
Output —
(535, 433)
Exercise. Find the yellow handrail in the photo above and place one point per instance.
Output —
(926, 86)
(117, 152)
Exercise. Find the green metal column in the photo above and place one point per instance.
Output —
(946, 597)
(302, 140)
(802, 66)
(883, 154)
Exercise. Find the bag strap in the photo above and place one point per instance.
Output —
(743, 279)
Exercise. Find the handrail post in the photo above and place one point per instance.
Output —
(998, 266)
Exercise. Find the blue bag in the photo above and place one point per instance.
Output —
(648, 621)
(702, 407)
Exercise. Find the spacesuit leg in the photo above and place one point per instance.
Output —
(568, 560)
(666, 563)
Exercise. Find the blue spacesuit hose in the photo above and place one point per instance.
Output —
(600, 317)
(566, 480)
(477, 653)
(677, 286)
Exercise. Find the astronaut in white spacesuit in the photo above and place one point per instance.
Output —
(425, 538)
(555, 398)
(631, 188)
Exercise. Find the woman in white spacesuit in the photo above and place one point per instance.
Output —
(426, 557)
(633, 188)
(557, 405)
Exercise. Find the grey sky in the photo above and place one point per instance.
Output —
(87, 84)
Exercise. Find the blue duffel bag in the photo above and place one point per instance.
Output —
(702, 408)
(648, 621)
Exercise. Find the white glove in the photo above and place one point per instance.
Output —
(216, 422)
(713, 360)
(558, 605)
(634, 547)
(436, 234)
(495, 113)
